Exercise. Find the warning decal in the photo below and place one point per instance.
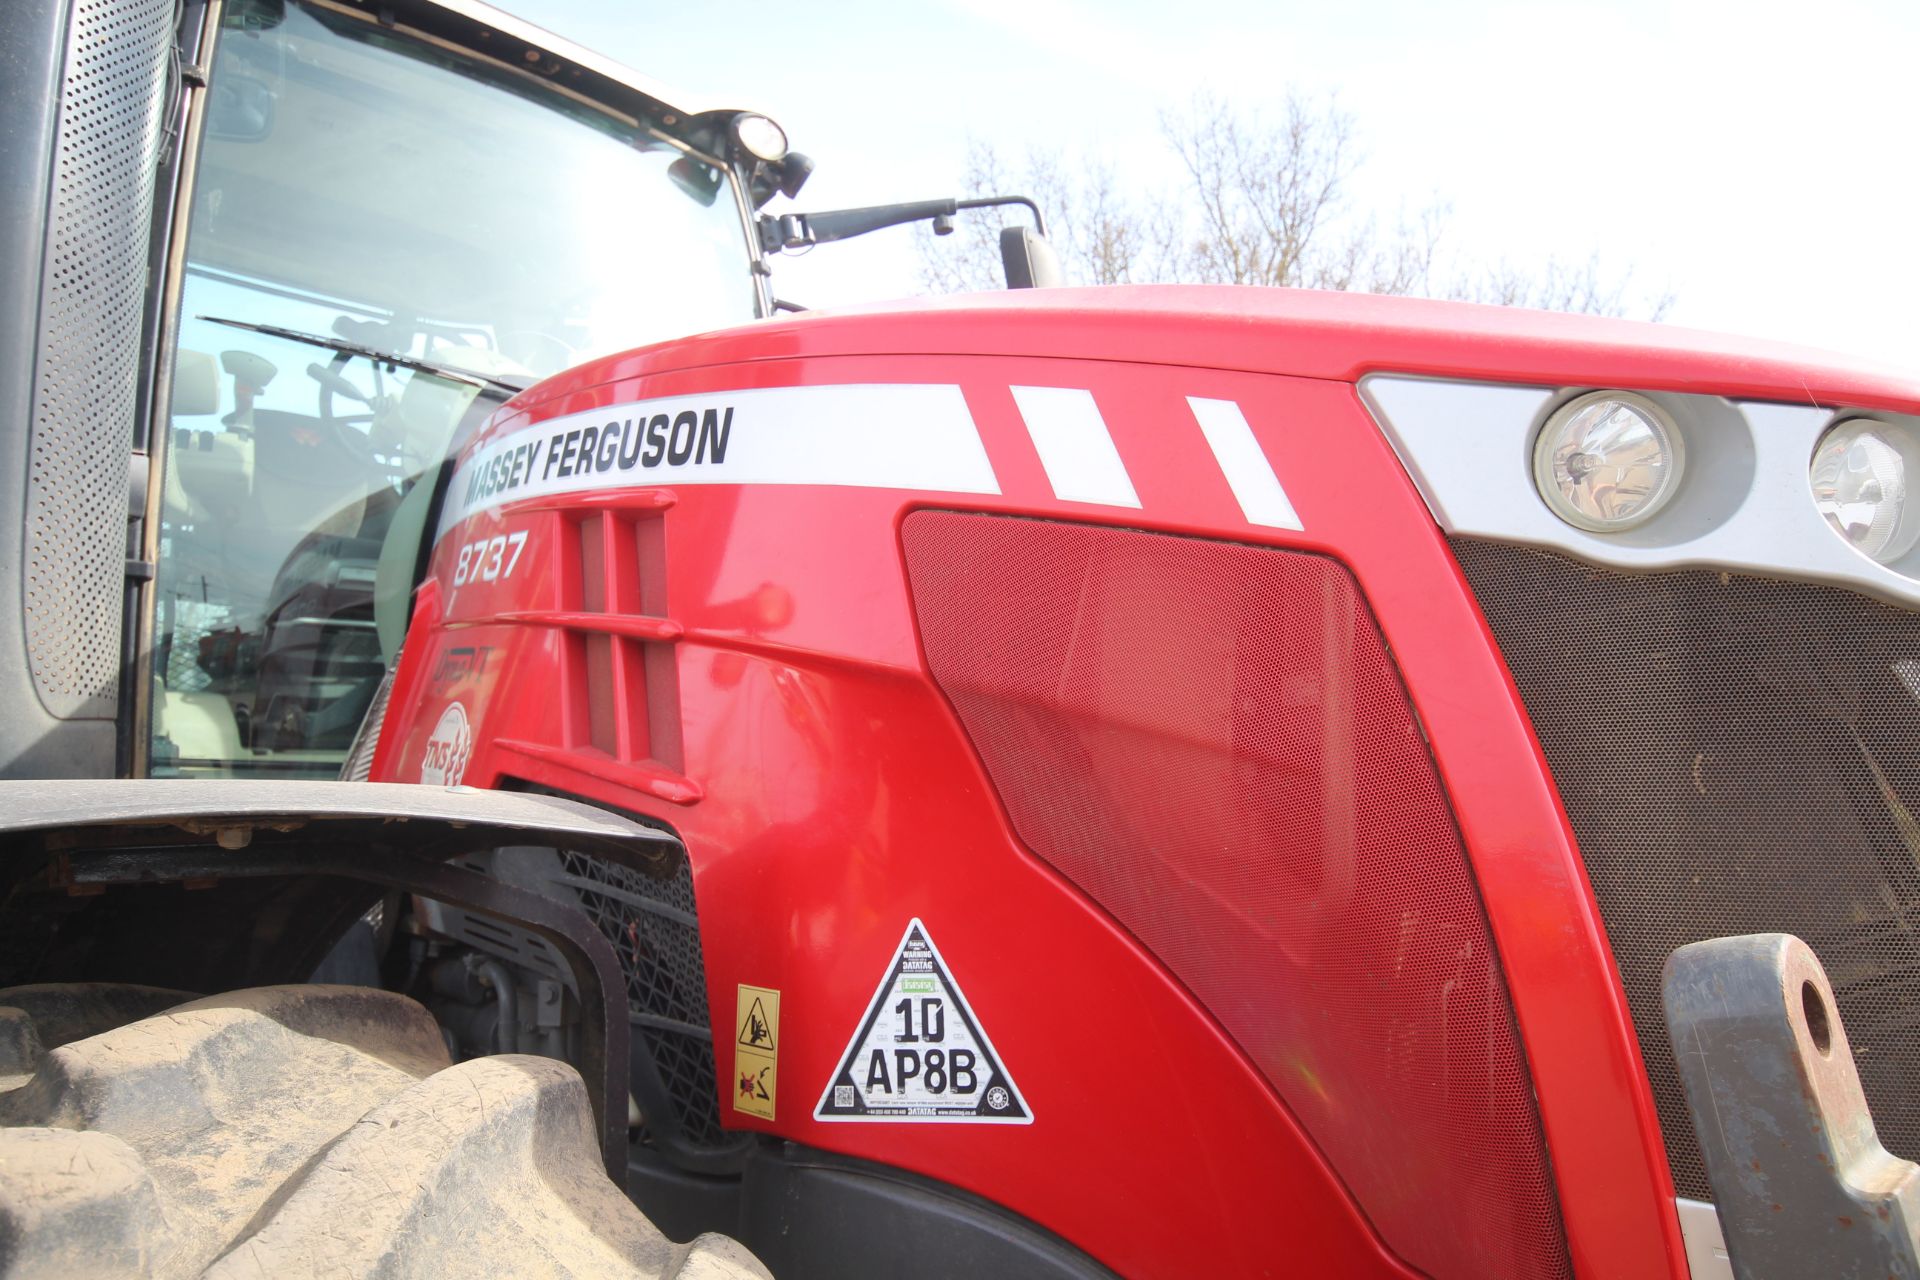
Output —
(756, 1047)
(920, 1054)
(755, 1031)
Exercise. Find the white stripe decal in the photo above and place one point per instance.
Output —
(885, 436)
(1082, 464)
(1244, 464)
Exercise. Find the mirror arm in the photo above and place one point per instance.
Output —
(988, 202)
(790, 231)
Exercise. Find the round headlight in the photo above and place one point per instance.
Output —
(1607, 461)
(1859, 479)
(759, 137)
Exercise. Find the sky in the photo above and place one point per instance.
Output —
(1759, 160)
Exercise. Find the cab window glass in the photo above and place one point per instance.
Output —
(386, 239)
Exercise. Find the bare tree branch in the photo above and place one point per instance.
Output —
(1266, 202)
(1561, 286)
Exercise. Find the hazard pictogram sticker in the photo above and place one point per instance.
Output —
(756, 1029)
(920, 1053)
(756, 1047)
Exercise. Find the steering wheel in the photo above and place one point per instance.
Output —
(350, 431)
(538, 349)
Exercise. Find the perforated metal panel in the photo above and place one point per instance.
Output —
(1736, 755)
(86, 375)
(1212, 742)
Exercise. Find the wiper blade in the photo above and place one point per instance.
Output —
(503, 385)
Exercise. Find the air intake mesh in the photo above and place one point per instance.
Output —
(1736, 755)
(358, 766)
(655, 931)
(1213, 743)
(652, 926)
(95, 286)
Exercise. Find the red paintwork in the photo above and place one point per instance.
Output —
(1309, 334)
(1137, 701)
(827, 794)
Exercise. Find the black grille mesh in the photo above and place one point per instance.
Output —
(651, 924)
(1736, 755)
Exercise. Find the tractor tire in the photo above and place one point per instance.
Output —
(300, 1131)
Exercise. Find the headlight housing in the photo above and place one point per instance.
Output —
(759, 136)
(1861, 476)
(1607, 461)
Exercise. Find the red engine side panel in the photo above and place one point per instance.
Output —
(774, 707)
(1210, 739)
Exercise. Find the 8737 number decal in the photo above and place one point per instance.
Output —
(489, 559)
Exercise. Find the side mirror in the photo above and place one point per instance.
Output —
(239, 109)
(254, 15)
(699, 180)
(1029, 260)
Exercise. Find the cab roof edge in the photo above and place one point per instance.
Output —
(599, 64)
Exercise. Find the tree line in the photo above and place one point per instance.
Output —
(1267, 200)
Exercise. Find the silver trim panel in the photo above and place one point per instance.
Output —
(1706, 1248)
(1743, 505)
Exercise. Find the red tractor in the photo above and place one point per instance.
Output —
(1070, 782)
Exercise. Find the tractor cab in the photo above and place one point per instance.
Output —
(392, 226)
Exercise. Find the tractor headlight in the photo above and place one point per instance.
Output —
(759, 137)
(1607, 461)
(1860, 476)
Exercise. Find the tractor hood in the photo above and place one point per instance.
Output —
(1296, 332)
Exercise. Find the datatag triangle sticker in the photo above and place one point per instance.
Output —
(920, 1054)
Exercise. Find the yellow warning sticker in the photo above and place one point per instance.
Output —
(756, 1051)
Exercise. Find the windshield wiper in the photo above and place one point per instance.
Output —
(503, 385)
